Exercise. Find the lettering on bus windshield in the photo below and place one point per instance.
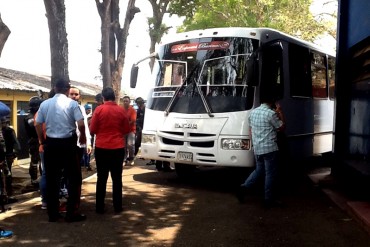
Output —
(214, 45)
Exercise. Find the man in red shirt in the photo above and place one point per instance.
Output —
(109, 124)
(130, 137)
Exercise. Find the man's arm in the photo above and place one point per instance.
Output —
(280, 115)
(81, 128)
(40, 133)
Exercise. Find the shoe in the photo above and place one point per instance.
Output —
(150, 163)
(5, 234)
(63, 192)
(129, 162)
(75, 218)
(44, 206)
(166, 168)
(240, 194)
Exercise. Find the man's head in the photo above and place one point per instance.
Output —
(34, 104)
(74, 93)
(108, 94)
(139, 101)
(88, 108)
(62, 86)
(268, 98)
(99, 99)
(126, 101)
(4, 122)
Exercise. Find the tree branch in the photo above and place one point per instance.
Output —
(4, 34)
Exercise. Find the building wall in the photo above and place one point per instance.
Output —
(18, 104)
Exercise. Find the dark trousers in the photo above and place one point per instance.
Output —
(109, 160)
(9, 178)
(60, 156)
(138, 136)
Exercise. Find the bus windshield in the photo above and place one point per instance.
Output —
(212, 69)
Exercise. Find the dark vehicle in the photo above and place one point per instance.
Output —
(352, 115)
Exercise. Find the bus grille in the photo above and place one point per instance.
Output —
(172, 142)
(200, 144)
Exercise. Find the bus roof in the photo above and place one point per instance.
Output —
(262, 34)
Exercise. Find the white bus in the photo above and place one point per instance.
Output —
(206, 82)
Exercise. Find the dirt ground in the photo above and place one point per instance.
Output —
(162, 210)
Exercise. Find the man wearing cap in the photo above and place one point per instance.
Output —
(140, 113)
(33, 143)
(12, 147)
(60, 115)
(88, 111)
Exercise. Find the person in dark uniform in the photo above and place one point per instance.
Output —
(60, 115)
(140, 113)
(12, 148)
(33, 143)
(4, 111)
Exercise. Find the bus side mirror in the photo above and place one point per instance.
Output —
(252, 71)
(134, 73)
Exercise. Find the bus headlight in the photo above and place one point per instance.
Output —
(148, 139)
(235, 144)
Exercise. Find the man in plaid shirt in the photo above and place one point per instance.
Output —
(264, 121)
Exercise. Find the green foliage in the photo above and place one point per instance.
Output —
(292, 17)
(156, 31)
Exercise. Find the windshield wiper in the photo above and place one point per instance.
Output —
(187, 79)
(205, 104)
(174, 97)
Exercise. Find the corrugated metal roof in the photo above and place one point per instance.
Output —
(21, 81)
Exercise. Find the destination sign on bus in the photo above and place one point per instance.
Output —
(214, 45)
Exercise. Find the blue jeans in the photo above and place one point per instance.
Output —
(266, 165)
(86, 158)
(130, 146)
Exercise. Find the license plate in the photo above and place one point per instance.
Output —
(185, 156)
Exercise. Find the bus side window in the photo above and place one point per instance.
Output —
(271, 76)
(318, 75)
(331, 76)
(300, 71)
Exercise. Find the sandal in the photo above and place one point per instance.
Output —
(5, 234)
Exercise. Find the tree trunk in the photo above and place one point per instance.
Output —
(4, 34)
(113, 57)
(104, 12)
(55, 13)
